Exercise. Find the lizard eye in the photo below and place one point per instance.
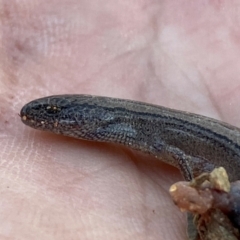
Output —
(51, 109)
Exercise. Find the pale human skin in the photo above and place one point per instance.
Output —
(182, 55)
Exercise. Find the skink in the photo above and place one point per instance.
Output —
(190, 142)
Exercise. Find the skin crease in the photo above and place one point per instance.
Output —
(179, 55)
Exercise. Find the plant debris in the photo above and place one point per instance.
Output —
(214, 203)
